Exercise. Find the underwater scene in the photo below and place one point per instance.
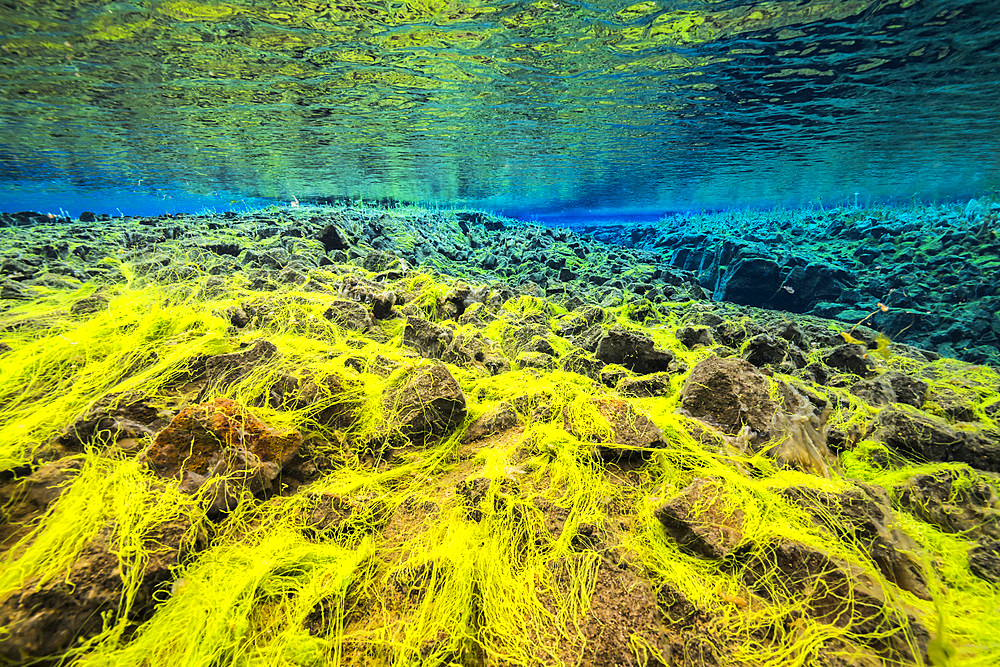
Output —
(496, 332)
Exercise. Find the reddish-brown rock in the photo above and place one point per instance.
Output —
(200, 432)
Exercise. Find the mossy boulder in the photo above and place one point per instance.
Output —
(427, 403)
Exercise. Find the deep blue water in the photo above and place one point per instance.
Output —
(529, 108)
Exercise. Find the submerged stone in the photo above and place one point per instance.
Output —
(634, 351)
(632, 432)
(703, 520)
(924, 437)
(955, 501)
(428, 404)
(221, 440)
(731, 395)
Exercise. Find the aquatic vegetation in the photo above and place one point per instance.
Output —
(585, 505)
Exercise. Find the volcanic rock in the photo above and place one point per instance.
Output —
(428, 403)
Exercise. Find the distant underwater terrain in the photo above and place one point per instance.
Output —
(319, 435)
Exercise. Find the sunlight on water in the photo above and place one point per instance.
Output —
(542, 105)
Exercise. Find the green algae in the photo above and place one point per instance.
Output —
(442, 554)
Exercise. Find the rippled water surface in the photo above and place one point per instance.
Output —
(525, 106)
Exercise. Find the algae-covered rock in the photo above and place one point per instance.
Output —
(767, 350)
(330, 400)
(224, 370)
(703, 520)
(984, 560)
(634, 351)
(850, 358)
(426, 337)
(863, 516)
(475, 351)
(694, 336)
(631, 432)
(198, 438)
(114, 418)
(46, 619)
(428, 403)
(732, 395)
(953, 500)
(924, 437)
(349, 314)
(833, 591)
(499, 419)
(653, 384)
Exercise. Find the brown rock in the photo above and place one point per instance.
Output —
(835, 592)
(633, 432)
(634, 351)
(923, 437)
(955, 501)
(428, 404)
(200, 432)
(730, 394)
(225, 370)
(427, 338)
(863, 516)
(497, 420)
(330, 399)
(46, 619)
(701, 520)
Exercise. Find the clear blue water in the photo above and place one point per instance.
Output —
(534, 109)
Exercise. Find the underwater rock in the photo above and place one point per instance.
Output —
(583, 363)
(330, 400)
(378, 261)
(112, 419)
(921, 436)
(676, 608)
(692, 337)
(891, 387)
(623, 611)
(349, 315)
(733, 333)
(362, 290)
(539, 360)
(499, 419)
(863, 516)
(956, 501)
(850, 358)
(224, 370)
(233, 471)
(766, 350)
(89, 305)
(427, 403)
(645, 386)
(751, 281)
(633, 433)
(201, 436)
(703, 520)
(474, 351)
(833, 591)
(589, 339)
(984, 560)
(578, 321)
(956, 401)
(25, 499)
(732, 395)
(634, 351)
(46, 619)
(426, 337)
(800, 429)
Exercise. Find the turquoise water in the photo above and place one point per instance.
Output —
(533, 109)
